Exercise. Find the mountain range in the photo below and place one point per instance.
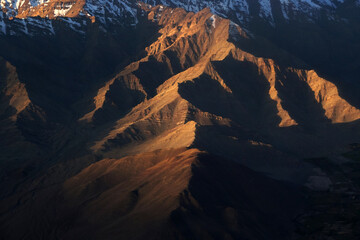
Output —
(178, 119)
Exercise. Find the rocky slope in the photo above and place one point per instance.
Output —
(241, 9)
(15, 104)
(324, 34)
(166, 194)
(192, 73)
(125, 11)
(180, 128)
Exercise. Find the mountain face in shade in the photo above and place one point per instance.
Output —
(241, 9)
(324, 34)
(109, 12)
(125, 120)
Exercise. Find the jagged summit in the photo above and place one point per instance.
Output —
(184, 126)
(199, 72)
(126, 12)
(193, 77)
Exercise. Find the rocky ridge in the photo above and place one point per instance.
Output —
(152, 134)
(121, 12)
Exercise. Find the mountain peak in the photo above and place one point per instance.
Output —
(155, 122)
(125, 12)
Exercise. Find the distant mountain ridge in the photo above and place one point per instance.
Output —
(126, 11)
(182, 125)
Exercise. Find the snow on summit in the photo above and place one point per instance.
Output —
(126, 11)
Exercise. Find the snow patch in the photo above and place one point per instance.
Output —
(265, 9)
(213, 21)
(126, 12)
(61, 12)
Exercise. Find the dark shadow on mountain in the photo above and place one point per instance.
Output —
(236, 203)
(299, 100)
(152, 74)
(255, 150)
(250, 87)
(61, 70)
(209, 96)
(119, 100)
(331, 47)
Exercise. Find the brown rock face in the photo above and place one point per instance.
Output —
(165, 194)
(161, 150)
(14, 105)
(12, 90)
(192, 73)
(157, 192)
(51, 9)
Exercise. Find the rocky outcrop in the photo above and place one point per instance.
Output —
(195, 132)
(13, 93)
(193, 53)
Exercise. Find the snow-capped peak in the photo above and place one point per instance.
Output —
(120, 12)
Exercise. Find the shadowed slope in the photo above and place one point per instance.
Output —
(177, 194)
(15, 106)
(165, 194)
(118, 175)
(192, 73)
